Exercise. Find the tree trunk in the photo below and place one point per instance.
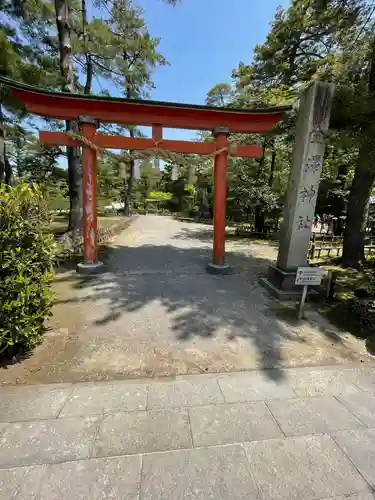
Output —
(129, 191)
(2, 147)
(9, 176)
(128, 194)
(63, 23)
(89, 74)
(259, 219)
(74, 184)
(358, 202)
(89, 65)
(262, 161)
(272, 169)
(6, 171)
(337, 227)
(364, 177)
(129, 90)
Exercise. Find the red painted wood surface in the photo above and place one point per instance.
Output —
(90, 229)
(117, 142)
(65, 106)
(220, 199)
(157, 133)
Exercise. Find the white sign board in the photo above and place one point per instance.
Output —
(309, 276)
(174, 176)
(122, 170)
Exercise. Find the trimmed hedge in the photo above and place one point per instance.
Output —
(26, 266)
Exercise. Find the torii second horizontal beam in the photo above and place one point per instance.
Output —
(103, 141)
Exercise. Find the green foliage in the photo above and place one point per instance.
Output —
(301, 40)
(221, 94)
(55, 198)
(190, 201)
(109, 183)
(26, 259)
(120, 48)
(366, 288)
(328, 40)
(159, 195)
(110, 46)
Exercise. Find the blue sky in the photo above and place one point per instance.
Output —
(203, 41)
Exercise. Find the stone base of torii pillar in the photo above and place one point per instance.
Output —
(312, 125)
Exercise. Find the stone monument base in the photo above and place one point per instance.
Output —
(280, 283)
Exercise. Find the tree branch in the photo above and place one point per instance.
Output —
(104, 68)
(308, 54)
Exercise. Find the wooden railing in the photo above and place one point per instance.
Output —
(325, 245)
(248, 230)
(321, 244)
(70, 244)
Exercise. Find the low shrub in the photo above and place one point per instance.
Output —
(366, 288)
(370, 344)
(361, 312)
(26, 262)
(159, 196)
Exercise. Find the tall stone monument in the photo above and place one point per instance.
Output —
(312, 125)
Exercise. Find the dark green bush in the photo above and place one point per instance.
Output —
(366, 288)
(26, 260)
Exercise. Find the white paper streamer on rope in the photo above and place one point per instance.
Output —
(122, 170)
(174, 173)
(137, 171)
(191, 174)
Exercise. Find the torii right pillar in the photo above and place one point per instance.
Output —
(312, 125)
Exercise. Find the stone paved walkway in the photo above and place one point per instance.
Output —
(306, 436)
(156, 312)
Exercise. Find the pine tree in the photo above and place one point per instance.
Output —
(24, 56)
(331, 42)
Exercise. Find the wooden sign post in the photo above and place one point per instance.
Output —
(307, 276)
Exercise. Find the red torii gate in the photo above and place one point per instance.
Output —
(90, 111)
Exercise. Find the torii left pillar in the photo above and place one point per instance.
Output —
(90, 264)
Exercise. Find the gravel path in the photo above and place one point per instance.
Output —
(156, 312)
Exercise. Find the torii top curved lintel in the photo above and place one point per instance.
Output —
(66, 106)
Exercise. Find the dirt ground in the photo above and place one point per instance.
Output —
(155, 312)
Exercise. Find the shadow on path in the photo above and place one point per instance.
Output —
(205, 234)
(223, 309)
